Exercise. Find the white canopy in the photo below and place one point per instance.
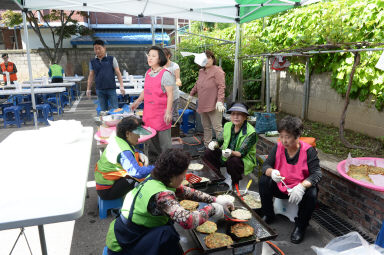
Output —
(225, 11)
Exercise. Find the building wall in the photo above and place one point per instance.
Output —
(9, 38)
(76, 61)
(34, 40)
(325, 104)
(361, 207)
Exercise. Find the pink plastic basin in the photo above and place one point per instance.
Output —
(341, 170)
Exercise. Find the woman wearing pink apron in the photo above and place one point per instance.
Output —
(297, 164)
(158, 98)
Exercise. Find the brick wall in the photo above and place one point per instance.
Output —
(362, 207)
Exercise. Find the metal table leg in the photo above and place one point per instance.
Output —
(42, 240)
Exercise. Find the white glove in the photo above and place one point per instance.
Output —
(225, 203)
(143, 159)
(296, 194)
(219, 212)
(213, 145)
(226, 153)
(189, 98)
(275, 175)
(220, 107)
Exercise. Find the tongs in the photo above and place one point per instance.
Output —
(238, 191)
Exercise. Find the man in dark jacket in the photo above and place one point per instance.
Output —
(103, 69)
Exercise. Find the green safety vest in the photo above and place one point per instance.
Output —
(140, 215)
(56, 71)
(249, 160)
(108, 164)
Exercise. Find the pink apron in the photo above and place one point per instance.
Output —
(155, 102)
(294, 174)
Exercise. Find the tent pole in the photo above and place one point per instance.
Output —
(304, 110)
(162, 32)
(176, 36)
(153, 31)
(236, 68)
(267, 89)
(29, 66)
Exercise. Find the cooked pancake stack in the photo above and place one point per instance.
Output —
(362, 172)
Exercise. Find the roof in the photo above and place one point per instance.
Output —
(122, 38)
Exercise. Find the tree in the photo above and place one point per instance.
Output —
(68, 26)
(11, 19)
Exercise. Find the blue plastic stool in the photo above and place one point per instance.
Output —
(44, 113)
(186, 125)
(105, 205)
(26, 113)
(12, 116)
(105, 251)
(54, 105)
(2, 107)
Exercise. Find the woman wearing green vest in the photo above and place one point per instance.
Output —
(235, 148)
(145, 225)
(121, 165)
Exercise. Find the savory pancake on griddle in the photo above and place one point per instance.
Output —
(241, 214)
(217, 240)
(207, 227)
(242, 230)
(189, 205)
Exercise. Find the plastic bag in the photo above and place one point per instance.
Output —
(350, 244)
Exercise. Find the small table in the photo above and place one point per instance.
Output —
(51, 182)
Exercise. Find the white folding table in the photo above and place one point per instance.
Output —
(68, 86)
(44, 181)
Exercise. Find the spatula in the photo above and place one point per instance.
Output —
(192, 178)
(246, 189)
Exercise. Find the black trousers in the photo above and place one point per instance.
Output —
(119, 189)
(234, 165)
(57, 80)
(268, 189)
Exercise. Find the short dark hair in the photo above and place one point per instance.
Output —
(167, 52)
(210, 55)
(171, 162)
(4, 55)
(127, 124)
(99, 42)
(291, 125)
(162, 58)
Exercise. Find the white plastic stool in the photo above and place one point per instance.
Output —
(283, 207)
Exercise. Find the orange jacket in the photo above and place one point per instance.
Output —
(9, 69)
